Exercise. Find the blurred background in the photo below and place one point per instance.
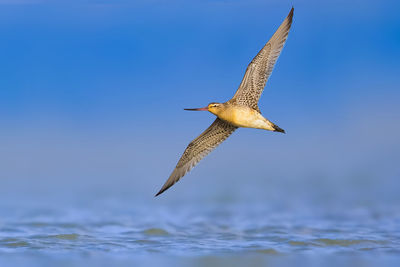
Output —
(92, 96)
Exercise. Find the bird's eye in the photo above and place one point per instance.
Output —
(215, 106)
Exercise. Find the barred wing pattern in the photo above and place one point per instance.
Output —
(260, 68)
(200, 147)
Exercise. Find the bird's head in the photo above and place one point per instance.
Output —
(213, 107)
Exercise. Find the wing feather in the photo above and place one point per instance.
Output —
(260, 68)
(200, 147)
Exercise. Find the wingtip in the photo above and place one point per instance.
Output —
(159, 193)
(163, 189)
(291, 13)
(289, 18)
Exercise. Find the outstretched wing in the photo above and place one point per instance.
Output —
(260, 68)
(214, 135)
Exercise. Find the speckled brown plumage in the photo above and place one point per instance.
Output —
(214, 135)
(260, 68)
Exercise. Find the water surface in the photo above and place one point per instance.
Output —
(123, 230)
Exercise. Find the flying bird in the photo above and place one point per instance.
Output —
(241, 111)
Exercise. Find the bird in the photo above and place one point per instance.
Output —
(240, 111)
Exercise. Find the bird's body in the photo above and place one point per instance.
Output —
(243, 116)
(241, 111)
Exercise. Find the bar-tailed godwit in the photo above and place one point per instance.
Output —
(241, 111)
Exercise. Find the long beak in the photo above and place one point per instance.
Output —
(197, 109)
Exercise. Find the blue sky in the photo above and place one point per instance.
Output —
(92, 89)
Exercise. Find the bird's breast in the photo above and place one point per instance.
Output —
(243, 117)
